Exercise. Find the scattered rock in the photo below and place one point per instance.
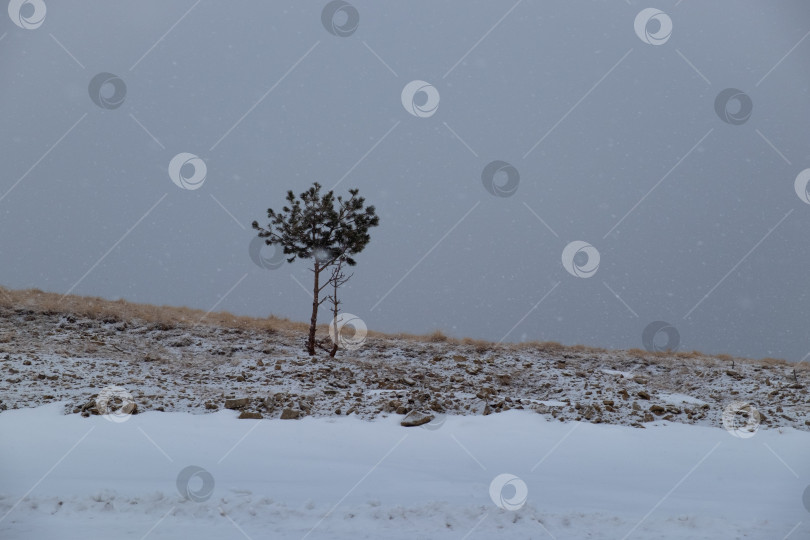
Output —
(236, 403)
(250, 415)
(182, 342)
(290, 414)
(269, 404)
(418, 378)
(437, 407)
(416, 418)
(129, 408)
(657, 410)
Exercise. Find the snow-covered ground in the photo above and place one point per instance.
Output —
(68, 477)
(538, 441)
(48, 357)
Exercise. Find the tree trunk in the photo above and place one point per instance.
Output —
(337, 280)
(334, 322)
(313, 322)
(337, 335)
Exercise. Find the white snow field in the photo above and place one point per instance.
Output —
(68, 477)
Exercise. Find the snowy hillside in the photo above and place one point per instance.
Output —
(517, 441)
(51, 357)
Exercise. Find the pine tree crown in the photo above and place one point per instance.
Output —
(320, 226)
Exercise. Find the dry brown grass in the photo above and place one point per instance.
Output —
(775, 362)
(436, 337)
(478, 345)
(638, 353)
(37, 301)
(687, 354)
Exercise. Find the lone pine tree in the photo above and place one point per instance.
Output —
(325, 228)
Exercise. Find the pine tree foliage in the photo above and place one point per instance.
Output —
(324, 228)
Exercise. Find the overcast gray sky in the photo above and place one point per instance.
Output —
(613, 126)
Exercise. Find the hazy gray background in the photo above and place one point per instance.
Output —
(340, 101)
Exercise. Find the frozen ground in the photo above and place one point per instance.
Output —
(607, 444)
(349, 478)
(58, 357)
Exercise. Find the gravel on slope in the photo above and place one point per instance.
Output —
(53, 357)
